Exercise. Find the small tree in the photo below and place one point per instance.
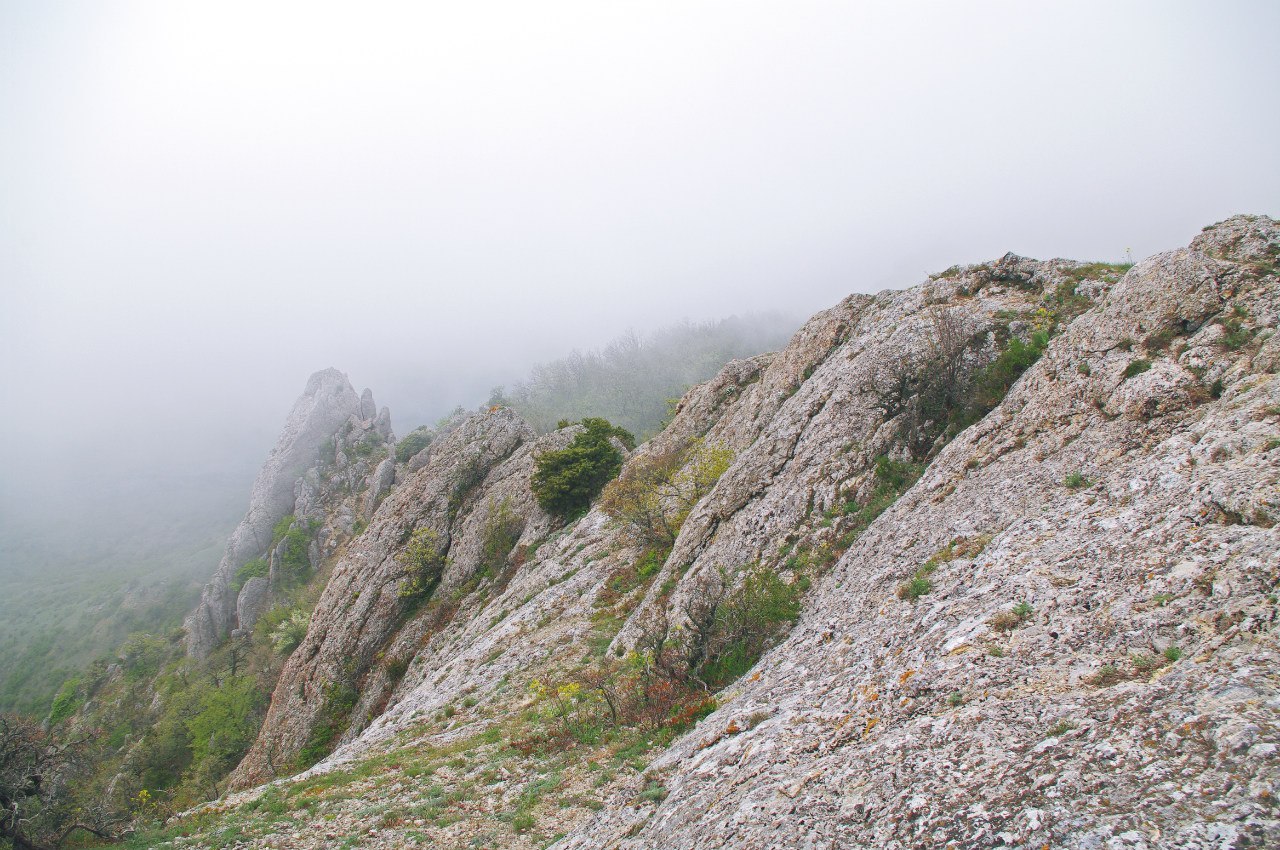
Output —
(38, 775)
(565, 481)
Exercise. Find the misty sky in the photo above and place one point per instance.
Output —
(201, 204)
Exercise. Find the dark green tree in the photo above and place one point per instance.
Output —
(565, 481)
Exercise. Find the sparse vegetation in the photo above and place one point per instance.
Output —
(654, 495)
(1076, 481)
(1007, 621)
(1136, 367)
(1235, 334)
(424, 561)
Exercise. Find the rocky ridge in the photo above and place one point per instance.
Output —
(320, 456)
(1060, 634)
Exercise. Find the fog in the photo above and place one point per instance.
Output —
(203, 203)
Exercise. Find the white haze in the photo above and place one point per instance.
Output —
(202, 203)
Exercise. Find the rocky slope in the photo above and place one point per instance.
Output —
(1060, 634)
(328, 414)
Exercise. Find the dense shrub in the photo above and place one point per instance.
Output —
(223, 725)
(565, 481)
(746, 623)
(142, 655)
(67, 702)
(290, 631)
(291, 539)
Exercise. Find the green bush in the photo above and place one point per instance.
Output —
(997, 378)
(224, 724)
(413, 442)
(257, 568)
(746, 624)
(67, 702)
(293, 537)
(655, 493)
(424, 561)
(1074, 481)
(286, 636)
(1136, 367)
(339, 700)
(565, 481)
(501, 533)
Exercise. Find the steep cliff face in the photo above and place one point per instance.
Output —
(329, 415)
(1061, 632)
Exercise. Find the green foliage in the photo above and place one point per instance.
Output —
(413, 442)
(631, 379)
(994, 381)
(1074, 481)
(290, 631)
(424, 561)
(257, 568)
(501, 533)
(67, 702)
(565, 481)
(655, 493)
(368, 446)
(142, 654)
(223, 724)
(291, 537)
(654, 792)
(1136, 367)
(915, 587)
(1172, 654)
(746, 623)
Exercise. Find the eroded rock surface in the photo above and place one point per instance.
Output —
(1087, 657)
(327, 406)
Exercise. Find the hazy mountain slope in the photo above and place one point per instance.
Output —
(1060, 633)
(74, 584)
(630, 381)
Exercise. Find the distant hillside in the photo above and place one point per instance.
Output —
(122, 555)
(631, 381)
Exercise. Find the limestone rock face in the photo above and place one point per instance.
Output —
(482, 463)
(1093, 662)
(327, 406)
(886, 723)
(252, 602)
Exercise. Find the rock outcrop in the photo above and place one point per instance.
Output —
(328, 410)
